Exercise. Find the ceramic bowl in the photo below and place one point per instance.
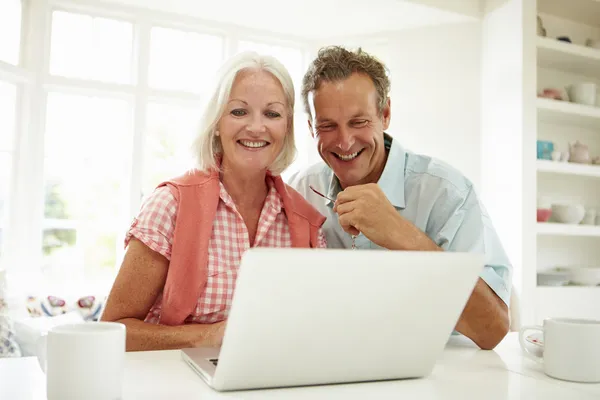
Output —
(584, 276)
(568, 213)
(553, 278)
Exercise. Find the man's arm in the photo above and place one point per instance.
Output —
(484, 319)
(366, 209)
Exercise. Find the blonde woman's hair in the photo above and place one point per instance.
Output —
(207, 145)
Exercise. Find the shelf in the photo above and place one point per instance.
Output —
(566, 113)
(556, 229)
(566, 168)
(575, 289)
(582, 11)
(568, 57)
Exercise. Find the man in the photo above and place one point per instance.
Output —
(387, 196)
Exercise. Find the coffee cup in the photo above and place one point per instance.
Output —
(571, 348)
(83, 361)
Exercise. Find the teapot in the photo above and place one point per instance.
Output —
(579, 153)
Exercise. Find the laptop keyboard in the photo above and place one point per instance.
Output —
(215, 361)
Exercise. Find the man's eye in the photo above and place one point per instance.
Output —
(238, 112)
(325, 127)
(361, 122)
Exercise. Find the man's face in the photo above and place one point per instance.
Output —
(349, 129)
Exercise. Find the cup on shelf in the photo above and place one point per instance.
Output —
(583, 93)
(590, 217)
(556, 155)
(544, 150)
(593, 43)
(543, 214)
(571, 348)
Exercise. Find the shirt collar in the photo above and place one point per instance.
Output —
(391, 180)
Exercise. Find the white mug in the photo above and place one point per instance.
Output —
(83, 361)
(583, 93)
(571, 348)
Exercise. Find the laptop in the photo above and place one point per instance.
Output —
(304, 317)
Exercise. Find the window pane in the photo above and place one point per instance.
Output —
(10, 30)
(8, 96)
(169, 135)
(5, 178)
(88, 47)
(185, 61)
(88, 152)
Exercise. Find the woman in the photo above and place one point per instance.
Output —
(175, 285)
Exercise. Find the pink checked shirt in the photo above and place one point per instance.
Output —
(155, 225)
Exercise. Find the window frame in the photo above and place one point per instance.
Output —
(24, 231)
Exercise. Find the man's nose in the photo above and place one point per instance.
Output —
(345, 139)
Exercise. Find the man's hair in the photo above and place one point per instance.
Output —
(336, 63)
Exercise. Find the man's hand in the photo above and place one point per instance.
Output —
(366, 209)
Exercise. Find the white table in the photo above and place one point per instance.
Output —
(462, 372)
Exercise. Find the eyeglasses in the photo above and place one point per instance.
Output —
(330, 199)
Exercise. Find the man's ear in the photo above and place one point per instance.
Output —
(386, 115)
(310, 128)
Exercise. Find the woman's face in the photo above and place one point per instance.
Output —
(255, 122)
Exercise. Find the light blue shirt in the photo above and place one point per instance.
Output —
(435, 197)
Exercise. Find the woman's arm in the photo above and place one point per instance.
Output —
(140, 280)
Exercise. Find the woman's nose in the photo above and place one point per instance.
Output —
(256, 124)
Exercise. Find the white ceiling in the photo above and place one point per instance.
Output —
(311, 19)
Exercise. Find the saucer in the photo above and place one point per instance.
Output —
(536, 339)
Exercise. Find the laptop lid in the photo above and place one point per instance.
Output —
(319, 316)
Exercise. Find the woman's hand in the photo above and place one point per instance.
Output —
(211, 335)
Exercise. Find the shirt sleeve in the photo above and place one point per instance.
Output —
(470, 229)
(155, 224)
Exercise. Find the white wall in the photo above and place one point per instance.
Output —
(470, 8)
(436, 93)
(508, 134)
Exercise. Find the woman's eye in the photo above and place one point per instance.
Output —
(238, 112)
(272, 114)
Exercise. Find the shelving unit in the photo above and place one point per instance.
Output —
(560, 64)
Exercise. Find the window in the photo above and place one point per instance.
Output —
(183, 61)
(88, 47)
(10, 31)
(170, 131)
(88, 152)
(8, 95)
(91, 99)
